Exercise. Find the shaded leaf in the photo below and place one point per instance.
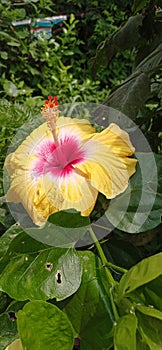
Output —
(131, 95)
(125, 333)
(138, 209)
(140, 343)
(89, 310)
(151, 63)
(22, 242)
(150, 330)
(124, 38)
(43, 326)
(8, 330)
(62, 229)
(153, 293)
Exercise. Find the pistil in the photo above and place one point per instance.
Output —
(50, 112)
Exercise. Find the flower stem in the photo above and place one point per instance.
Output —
(110, 278)
(102, 257)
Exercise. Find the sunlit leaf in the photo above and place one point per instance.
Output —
(52, 273)
(145, 271)
(125, 333)
(43, 326)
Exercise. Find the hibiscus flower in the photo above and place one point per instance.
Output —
(64, 164)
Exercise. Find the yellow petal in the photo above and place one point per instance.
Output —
(32, 195)
(75, 127)
(108, 166)
(117, 139)
(79, 194)
(15, 345)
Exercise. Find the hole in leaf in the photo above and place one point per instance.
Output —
(58, 276)
(76, 344)
(12, 315)
(49, 266)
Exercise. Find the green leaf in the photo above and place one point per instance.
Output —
(151, 63)
(8, 330)
(10, 88)
(153, 293)
(139, 5)
(4, 55)
(43, 326)
(124, 38)
(62, 229)
(138, 209)
(140, 343)
(140, 274)
(150, 330)
(89, 310)
(52, 273)
(149, 311)
(125, 333)
(131, 95)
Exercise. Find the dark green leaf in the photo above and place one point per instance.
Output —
(8, 330)
(16, 240)
(140, 343)
(89, 310)
(150, 330)
(7, 238)
(62, 229)
(54, 273)
(153, 293)
(124, 38)
(43, 326)
(151, 63)
(125, 333)
(142, 273)
(138, 209)
(131, 95)
(69, 219)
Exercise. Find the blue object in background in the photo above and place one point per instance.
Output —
(41, 27)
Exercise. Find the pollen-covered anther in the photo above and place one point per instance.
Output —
(50, 112)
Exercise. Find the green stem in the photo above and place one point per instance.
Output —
(117, 268)
(110, 278)
(116, 316)
(102, 257)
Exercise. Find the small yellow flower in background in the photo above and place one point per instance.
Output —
(64, 164)
(15, 345)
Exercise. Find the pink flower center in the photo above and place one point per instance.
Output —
(58, 160)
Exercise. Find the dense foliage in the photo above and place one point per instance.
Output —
(107, 295)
